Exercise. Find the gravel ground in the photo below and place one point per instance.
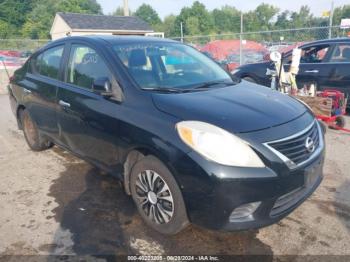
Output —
(54, 203)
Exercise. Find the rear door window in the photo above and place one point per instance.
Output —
(48, 63)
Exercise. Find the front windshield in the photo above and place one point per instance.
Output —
(169, 65)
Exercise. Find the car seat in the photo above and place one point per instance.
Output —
(136, 64)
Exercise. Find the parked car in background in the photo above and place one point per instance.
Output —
(227, 52)
(325, 63)
(10, 62)
(10, 53)
(26, 54)
(190, 143)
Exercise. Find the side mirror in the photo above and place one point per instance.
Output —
(103, 87)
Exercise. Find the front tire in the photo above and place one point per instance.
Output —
(157, 196)
(31, 134)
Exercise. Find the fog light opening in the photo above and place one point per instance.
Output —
(244, 213)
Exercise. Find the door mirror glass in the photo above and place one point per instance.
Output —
(102, 86)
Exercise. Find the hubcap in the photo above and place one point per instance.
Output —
(154, 197)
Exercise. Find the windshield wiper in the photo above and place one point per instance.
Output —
(207, 85)
(202, 86)
(163, 89)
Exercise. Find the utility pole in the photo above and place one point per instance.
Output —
(126, 8)
(331, 20)
(240, 42)
(182, 32)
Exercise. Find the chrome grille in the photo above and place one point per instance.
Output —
(294, 150)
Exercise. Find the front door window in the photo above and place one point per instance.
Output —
(85, 66)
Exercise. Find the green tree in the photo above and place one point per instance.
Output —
(283, 21)
(264, 14)
(6, 30)
(303, 18)
(148, 14)
(226, 19)
(340, 13)
(260, 19)
(192, 26)
(168, 26)
(40, 19)
(198, 11)
(79, 6)
(120, 11)
(13, 14)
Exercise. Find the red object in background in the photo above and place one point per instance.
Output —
(232, 66)
(221, 49)
(10, 53)
(336, 120)
(10, 62)
(338, 106)
(228, 52)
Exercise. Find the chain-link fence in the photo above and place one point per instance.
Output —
(22, 44)
(249, 47)
(230, 49)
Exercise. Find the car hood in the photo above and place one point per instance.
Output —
(244, 107)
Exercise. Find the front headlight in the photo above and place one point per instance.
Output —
(218, 145)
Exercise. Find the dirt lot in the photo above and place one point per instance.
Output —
(54, 203)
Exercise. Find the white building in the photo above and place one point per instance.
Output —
(71, 24)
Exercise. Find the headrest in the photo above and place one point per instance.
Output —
(337, 52)
(137, 58)
(346, 53)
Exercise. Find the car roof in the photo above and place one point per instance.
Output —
(114, 39)
(329, 41)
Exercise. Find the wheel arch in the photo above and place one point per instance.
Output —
(137, 153)
(20, 108)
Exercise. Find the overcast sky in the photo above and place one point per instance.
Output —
(166, 7)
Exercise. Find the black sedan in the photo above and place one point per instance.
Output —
(325, 63)
(189, 143)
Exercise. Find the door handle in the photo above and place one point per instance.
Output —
(63, 104)
(312, 71)
(25, 90)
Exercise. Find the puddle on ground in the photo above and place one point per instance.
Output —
(104, 221)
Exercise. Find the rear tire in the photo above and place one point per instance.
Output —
(249, 79)
(31, 134)
(157, 196)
